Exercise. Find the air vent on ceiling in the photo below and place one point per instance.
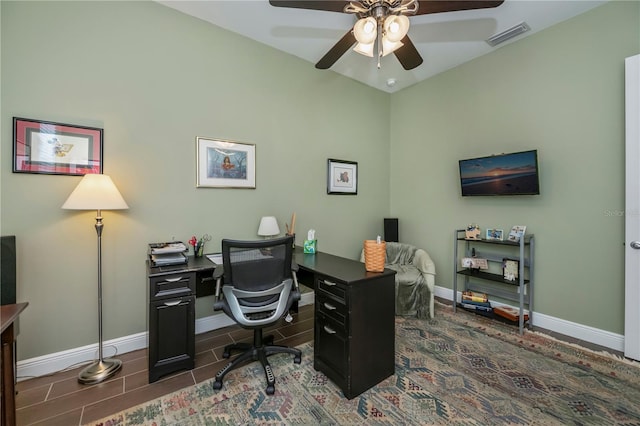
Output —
(508, 34)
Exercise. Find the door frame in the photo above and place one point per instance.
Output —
(632, 208)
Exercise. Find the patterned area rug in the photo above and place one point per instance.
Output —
(458, 369)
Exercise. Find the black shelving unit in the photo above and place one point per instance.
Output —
(491, 282)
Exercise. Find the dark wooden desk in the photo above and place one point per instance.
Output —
(354, 332)
(8, 315)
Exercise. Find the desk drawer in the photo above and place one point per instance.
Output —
(331, 346)
(172, 285)
(332, 287)
(331, 308)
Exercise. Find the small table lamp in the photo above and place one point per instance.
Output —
(268, 227)
(97, 192)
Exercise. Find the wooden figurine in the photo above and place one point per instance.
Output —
(472, 232)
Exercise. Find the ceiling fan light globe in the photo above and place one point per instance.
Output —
(365, 30)
(390, 47)
(365, 49)
(396, 27)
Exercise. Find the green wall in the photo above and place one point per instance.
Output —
(155, 79)
(560, 91)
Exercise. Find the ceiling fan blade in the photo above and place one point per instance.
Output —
(438, 6)
(329, 5)
(408, 54)
(336, 51)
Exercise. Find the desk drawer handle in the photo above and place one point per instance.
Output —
(329, 330)
(173, 280)
(329, 283)
(174, 303)
(329, 307)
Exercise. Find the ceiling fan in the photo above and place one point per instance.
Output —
(383, 23)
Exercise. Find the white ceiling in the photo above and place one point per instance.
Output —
(444, 40)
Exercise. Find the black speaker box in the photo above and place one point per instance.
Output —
(391, 229)
(7, 270)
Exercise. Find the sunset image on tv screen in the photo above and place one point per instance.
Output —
(507, 174)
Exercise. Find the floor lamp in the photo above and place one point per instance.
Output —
(97, 192)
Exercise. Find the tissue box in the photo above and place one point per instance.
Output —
(310, 246)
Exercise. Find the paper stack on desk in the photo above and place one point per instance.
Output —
(164, 248)
(162, 254)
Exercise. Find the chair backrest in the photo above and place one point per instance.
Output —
(257, 265)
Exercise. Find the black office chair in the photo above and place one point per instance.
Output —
(259, 285)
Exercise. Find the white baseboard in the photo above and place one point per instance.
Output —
(588, 334)
(72, 358)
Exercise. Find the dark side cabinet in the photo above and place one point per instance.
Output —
(171, 322)
(354, 342)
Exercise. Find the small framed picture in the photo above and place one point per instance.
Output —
(225, 164)
(494, 234)
(510, 269)
(517, 232)
(342, 177)
(56, 148)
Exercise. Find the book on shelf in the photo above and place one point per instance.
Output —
(474, 296)
(476, 303)
(510, 313)
(480, 310)
(476, 307)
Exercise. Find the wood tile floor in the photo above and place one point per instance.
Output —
(58, 399)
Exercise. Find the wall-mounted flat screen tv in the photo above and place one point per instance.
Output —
(503, 174)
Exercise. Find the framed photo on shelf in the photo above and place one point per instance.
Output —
(494, 234)
(55, 148)
(225, 164)
(510, 269)
(516, 233)
(342, 177)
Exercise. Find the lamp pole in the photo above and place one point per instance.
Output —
(102, 368)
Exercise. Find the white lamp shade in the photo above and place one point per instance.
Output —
(396, 27)
(390, 47)
(365, 30)
(268, 227)
(95, 192)
(364, 49)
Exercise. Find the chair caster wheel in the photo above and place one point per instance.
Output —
(217, 385)
(226, 354)
(297, 359)
(270, 390)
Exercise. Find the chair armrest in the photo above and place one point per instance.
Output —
(424, 263)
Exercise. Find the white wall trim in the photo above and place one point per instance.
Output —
(589, 334)
(72, 358)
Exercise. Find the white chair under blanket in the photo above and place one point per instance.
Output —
(415, 279)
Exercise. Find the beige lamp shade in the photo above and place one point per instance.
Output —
(268, 227)
(95, 192)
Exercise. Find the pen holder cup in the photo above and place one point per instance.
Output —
(198, 250)
(374, 255)
(310, 246)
